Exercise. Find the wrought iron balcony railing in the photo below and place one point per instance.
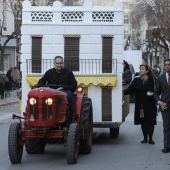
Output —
(82, 66)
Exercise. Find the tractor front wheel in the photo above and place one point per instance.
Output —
(72, 149)
(15, 146)
(86, 121)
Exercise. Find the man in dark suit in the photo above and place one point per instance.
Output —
(162, 97)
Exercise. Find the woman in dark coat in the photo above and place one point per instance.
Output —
(145, 105)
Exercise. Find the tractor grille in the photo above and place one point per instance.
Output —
(58, 103)
(34, 110)
(46, 110)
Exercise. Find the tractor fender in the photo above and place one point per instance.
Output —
(78, 102)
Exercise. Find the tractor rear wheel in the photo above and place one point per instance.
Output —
(34, 146)
(15, 147)
(72, 149)
(86, 121)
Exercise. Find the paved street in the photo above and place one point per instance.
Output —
(7, 111)
(124, 153)
(8, 106)
(10, 98)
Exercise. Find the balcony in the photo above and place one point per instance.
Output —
(79, 67)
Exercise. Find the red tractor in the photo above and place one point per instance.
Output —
(46, 118)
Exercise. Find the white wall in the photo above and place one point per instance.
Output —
(133, 57)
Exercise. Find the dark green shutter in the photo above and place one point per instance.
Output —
(36, 54)
(106, 104)
(107, 55)
(71, 53)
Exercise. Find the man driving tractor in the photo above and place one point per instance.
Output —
(59, 75)
(48, 117)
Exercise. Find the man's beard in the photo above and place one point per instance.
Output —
(59, 70)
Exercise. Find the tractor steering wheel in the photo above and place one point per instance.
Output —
(56, 86)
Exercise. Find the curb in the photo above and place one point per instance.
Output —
(8, 104)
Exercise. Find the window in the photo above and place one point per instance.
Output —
(36, 54)
(71, 53)
(126, 16)
(107, 55)
(126, 21)
(106, 104)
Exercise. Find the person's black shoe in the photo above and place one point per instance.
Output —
(151, 142)
(2, 97)
(166, 150)
(144, 141)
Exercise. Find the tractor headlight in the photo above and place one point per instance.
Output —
(32, 101)
(49, 101)
(80, 89)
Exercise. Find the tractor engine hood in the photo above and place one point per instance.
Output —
(47, 92)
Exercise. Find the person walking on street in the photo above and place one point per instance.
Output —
(145, 105)
(11, 81)
(126, 79)
(159, 70)
(162, 98)
(127, 75)
(155, 72)
(16, 75)
(8, 74)
(3, 80)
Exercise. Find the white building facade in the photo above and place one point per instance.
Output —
(98, 34)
